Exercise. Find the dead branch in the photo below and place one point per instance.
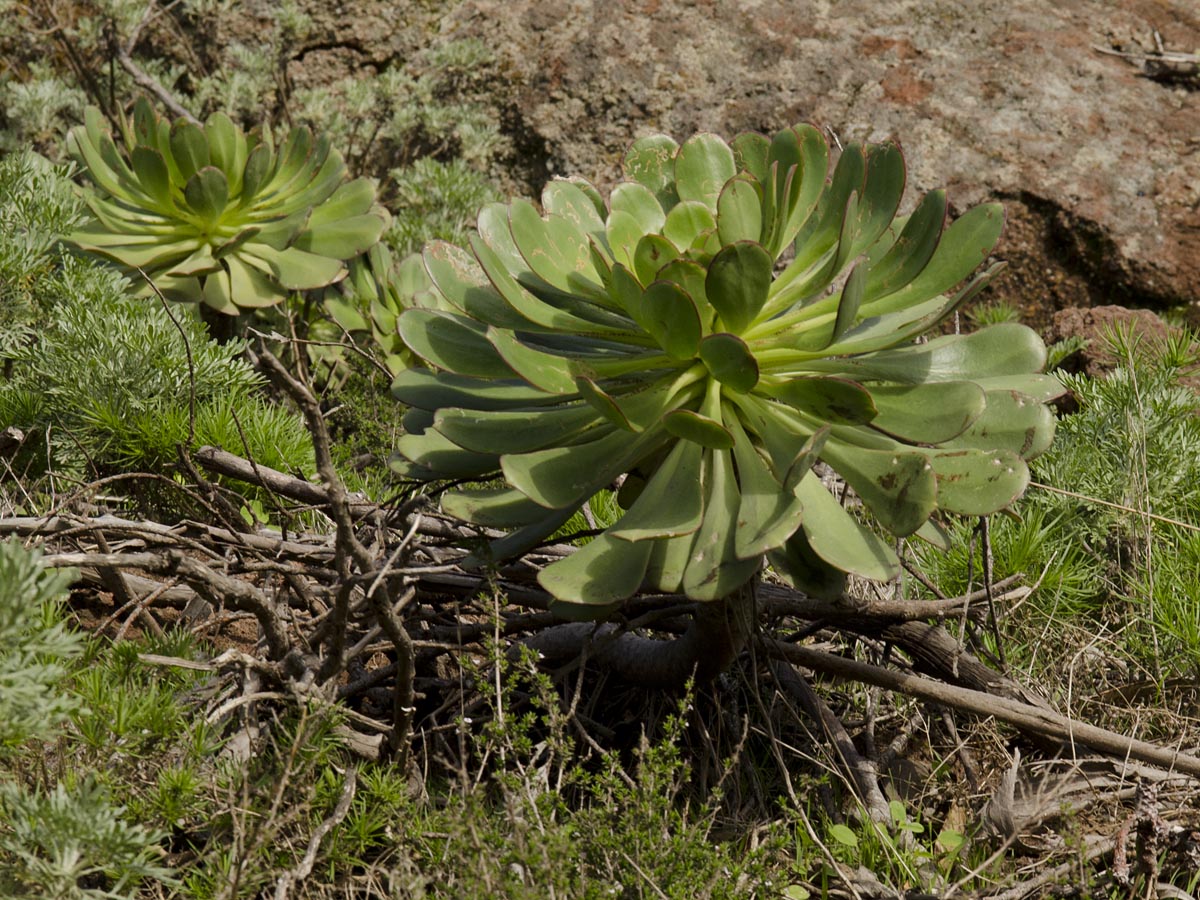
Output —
(1025, 716)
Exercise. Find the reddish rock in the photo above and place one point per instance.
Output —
(1093, 325)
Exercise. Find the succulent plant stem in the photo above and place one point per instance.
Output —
(717, 633)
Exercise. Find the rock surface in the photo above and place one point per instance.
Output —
(1099, 165)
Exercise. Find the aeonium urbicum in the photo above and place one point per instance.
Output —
(725, 320)
(211, 214)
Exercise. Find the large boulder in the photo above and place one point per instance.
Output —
(1097, 161)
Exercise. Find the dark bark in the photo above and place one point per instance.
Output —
(716, 635)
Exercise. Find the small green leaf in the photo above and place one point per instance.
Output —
(843, 835)
(737, 283)
(729, 360)
(692, 426)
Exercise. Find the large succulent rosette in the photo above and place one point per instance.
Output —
(727, 319)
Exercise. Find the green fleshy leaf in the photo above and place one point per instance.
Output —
(492, 507)
(714, 571)
(998, 350)
(767, 515)
(799, 566)
(567, 476)
(692, 426)
(154, 177)
(1011, 421)
(226, 145)
(927, 413)
(553, 374)
(750, 155)
(436, 453)
(737, 283)
(342, 239)
(255, 173)
(189, 148)
(605, 404)
(689, 275)
(852, 294)
(898, 487)
(207, 194)
(838, 539)
(686, 222)
(728, 358)
(978, 482)
(832, 399)
(670, 504)
(668, 561)
(452, 342)
(250, 288)
(600, 574)
(805, 459)
(218, 293)
(740, 210)
(702, 166)
(668, 315)
(297, 270)
(555, 250)
(431, 390)
(652, 253)
(567, 200)
(963, 247)
(515, 431)
(912, 250)
(457, 275)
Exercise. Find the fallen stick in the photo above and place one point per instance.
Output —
(1027, 717)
